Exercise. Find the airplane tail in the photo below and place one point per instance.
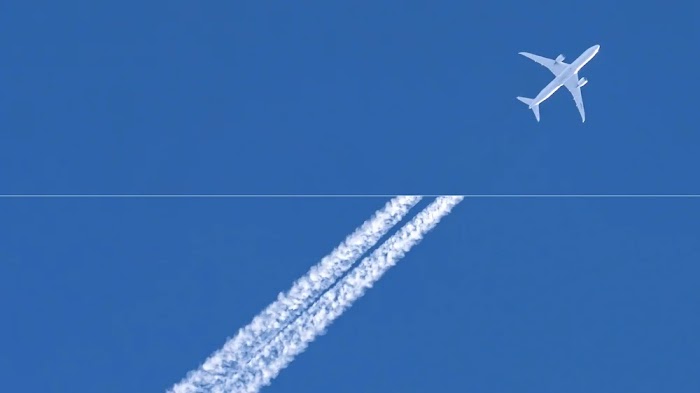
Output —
(528, 102)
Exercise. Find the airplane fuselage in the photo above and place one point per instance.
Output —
(570, 70)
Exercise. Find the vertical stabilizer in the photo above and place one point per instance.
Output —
(528, 102)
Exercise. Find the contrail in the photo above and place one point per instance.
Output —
(266, 325)
(297, 336)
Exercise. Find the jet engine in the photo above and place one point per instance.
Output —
(582, 82)
(559, 58)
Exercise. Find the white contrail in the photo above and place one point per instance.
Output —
(303, 293)
(297, 336)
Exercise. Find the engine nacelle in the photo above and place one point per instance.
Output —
(582, 82)
(559, 58)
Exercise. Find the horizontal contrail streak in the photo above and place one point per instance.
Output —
(20, 196)
(303, 293)
(297, 336)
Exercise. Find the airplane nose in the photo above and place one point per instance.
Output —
(597, 47)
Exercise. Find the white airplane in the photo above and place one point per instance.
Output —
(564, 74)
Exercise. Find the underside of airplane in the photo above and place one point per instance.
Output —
(566, 75)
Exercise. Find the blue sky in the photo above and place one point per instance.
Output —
(392, 97)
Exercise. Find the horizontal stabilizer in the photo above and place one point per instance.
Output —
(528, 102)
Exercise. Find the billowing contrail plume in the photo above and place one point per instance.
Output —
(266, 325)
(297, 336)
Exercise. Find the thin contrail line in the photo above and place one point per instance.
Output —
(155, 196)
(298, 335)
(303, 293)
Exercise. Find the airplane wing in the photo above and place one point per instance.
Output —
(572, 85)
(552, 65)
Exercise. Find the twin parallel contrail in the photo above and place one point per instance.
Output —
(285, 328)
(226, 362)
(294, 339)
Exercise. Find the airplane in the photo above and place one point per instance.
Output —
(564, 75)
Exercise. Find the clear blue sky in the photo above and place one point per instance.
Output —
(116, 295)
